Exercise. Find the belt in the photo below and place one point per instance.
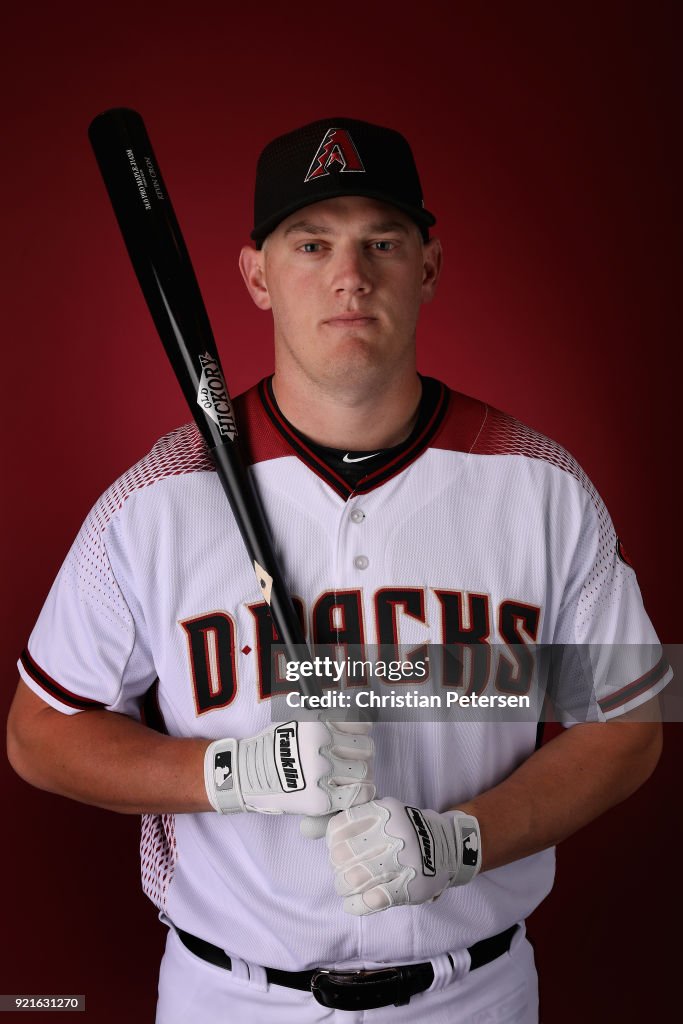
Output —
(357, 990)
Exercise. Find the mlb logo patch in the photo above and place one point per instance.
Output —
(222, 771)
(470, 847)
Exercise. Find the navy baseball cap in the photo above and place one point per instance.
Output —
(338, 156)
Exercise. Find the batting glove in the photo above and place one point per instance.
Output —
(386, 854)
(311, 768)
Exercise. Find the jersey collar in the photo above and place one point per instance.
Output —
(414, 447)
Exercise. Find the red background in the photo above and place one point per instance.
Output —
(547, 144)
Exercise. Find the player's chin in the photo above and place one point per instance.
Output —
(353, 364)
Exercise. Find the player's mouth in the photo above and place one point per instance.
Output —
(350, 320)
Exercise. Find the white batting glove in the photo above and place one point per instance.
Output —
(311, 768)
(386, 854)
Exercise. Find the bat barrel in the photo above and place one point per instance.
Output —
(157, 251)
(162, 264)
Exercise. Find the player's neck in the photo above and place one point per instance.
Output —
(358, 421)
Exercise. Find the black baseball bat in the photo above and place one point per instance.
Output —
(162, 264)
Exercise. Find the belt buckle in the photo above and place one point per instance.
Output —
(357, 990)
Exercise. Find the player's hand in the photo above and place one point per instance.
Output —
(311, 768)
(386, 854)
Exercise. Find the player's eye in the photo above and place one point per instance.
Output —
(384, 245)
(310, 247)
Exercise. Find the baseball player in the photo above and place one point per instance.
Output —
(404, 512)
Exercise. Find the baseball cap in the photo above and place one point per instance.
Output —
(336, 156)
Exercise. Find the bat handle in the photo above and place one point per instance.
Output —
(252, 523)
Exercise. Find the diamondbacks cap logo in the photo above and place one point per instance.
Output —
(336, 152)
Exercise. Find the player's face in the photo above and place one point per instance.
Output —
(345, 279)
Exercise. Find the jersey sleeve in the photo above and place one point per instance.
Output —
(87, 649)
(610, 659)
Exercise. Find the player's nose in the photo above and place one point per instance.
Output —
(350, 272)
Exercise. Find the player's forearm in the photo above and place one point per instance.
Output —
(106, 759)
(563, 786)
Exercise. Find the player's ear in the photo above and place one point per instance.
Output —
(251, 267)
(432, 257)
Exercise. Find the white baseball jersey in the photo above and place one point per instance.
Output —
(480, 529)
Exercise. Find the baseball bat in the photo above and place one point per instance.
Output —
(162, 264)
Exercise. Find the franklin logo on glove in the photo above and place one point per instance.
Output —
(306, 768)
(380, 861)
(424, 838)
(287, 757)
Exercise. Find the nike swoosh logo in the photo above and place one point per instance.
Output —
(361, 459)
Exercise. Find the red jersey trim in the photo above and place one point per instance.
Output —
(296, 446)
(55, 689)
(636, 688)
(462, 427)
(259, 438)
(418, 446)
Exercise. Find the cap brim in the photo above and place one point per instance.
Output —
(423, 218)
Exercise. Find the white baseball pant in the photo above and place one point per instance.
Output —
(192, 991)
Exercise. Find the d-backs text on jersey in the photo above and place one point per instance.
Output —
(336, 619)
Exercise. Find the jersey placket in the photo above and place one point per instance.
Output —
(353, 554)
(351, 562)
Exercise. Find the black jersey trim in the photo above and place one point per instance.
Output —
(636, 688)
(51, 686)
(413, 451)
(306, 454)
(377, 477)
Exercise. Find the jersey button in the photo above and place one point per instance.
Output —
(361, 562)
(357, 516)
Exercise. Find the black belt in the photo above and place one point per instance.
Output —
(357, 990)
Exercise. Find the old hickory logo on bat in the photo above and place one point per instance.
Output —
(213, 398)
(287, 757)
